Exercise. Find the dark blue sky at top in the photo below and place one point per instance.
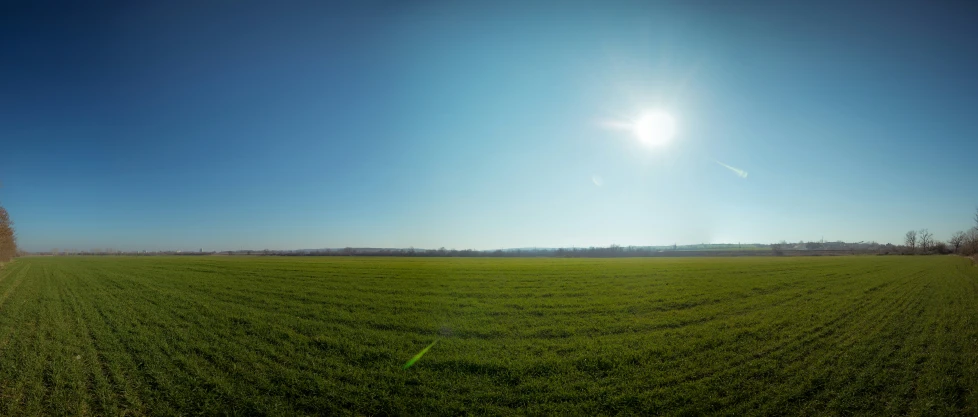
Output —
(235, 124)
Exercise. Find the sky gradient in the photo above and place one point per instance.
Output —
(252, 125)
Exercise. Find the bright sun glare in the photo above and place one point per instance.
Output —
(655, 128)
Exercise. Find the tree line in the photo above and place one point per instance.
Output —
(613, 251)
(964, 242)
(915, 242)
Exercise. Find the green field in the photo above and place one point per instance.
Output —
(286, 336)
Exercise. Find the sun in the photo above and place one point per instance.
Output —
(654, 128)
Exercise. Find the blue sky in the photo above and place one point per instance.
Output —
(250, 125)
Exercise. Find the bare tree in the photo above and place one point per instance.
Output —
(969, 246)
(956, 240)
(911, 240)
(8, 239)
(8, 246)
(924, 239)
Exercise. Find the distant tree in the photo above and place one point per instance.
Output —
(911, 240)
(8, 239)
(956, 240)
(970, 244)
(924, 239)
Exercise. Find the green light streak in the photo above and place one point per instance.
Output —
(419, 355)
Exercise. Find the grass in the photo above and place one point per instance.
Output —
(288, 336)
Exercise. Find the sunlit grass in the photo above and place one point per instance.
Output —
(185, 335)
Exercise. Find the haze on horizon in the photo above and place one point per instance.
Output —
(237, 125)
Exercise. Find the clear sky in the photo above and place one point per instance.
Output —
(284, 125)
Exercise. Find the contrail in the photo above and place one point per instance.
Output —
(740, 173)
(419, 355)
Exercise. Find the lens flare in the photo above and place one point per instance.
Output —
(419, 355)
(740, 173)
